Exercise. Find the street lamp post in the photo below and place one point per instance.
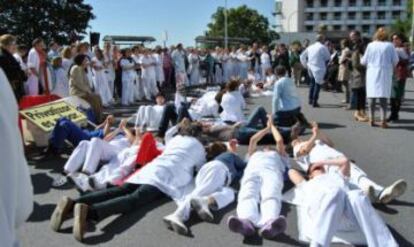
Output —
(225, 25)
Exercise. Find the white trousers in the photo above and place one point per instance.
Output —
(147, 116)
(113, 172)
(360, 179)
(355, 206)
(127, 91)
(88, 154)
(210, 181)
(32, 85)
(261, 188)
(149, 85)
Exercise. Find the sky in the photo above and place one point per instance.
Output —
(182, 19)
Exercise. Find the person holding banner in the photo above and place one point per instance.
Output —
(79, 85)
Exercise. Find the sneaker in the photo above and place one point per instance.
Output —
(273, 228)
(174, 223)
(370, 193)
(393, 191)
(200, 205)
(81, 181)
(61, 213)
(79, 224)
(244, 227)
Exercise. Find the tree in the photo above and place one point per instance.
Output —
(243, 22)
(404, 26)
(62, 21)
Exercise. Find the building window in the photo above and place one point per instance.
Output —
(338, 3)
(366, 15)
(352, 3)
(382, 2)
(309, 16)
(337, 27)
(381, 15)
(309, 3)
(365, 28)
(396, 2)
(323, 16)
(396, 15)
(367, 3)
(351, 15)
(309, 28)
(324, 3)
(351, 27)
(337, 16)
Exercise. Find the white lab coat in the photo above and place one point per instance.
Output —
(315, 59)
(331, 206)
(261, 185)
(32, 83)
(148, 76)
(194, 69)
(159, 71)
(243, 65)
(66, 63)
(61, 85)
(110, 72)
(16, 191)
(172, 171)
(128, 79)
(380, 59)
(100, 83)
(233, 104)
(265, 63)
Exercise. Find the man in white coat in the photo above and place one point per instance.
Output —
(380, 58)
(319, 147)
(261, 186)
(35, 59)
(16, 192)
(315, 59)
(178, 57)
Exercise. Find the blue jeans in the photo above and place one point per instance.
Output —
(314, 90)
(67, 130)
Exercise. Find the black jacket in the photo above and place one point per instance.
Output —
(14, 73)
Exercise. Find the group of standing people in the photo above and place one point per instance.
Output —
(375, 72)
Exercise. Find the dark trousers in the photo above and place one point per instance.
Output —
(170, 115)
(286, 118)
(360, 98)
(119, 200)
(314, 90)
(257, 121)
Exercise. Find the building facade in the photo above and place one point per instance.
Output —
(338, 15)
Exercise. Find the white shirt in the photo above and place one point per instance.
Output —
(16, 191)
(148, 72)
(127, 72)
(266, 161)
(173, 170)
(265, 59)
(233, 104)
(33, 60)
(315, 58)
(380, 59)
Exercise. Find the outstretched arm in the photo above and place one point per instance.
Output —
(280, 145)
(342, 162)
(255, 139)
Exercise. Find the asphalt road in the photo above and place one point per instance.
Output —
(385, 155)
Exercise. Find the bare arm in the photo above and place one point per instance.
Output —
(280, 145)
(342, 162)
(255, 139)
(295, 176)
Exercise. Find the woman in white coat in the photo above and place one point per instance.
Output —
(60, 80)
(227, 65)
(100, 80)
(109, 69)
(380, 58)
(194, 68)
(128, 77)
(261, 186)
(265, 62)
(148, 74)
(159, 71)
(233, 104)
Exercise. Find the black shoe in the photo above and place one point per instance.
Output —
(392, 118)
(316, 105)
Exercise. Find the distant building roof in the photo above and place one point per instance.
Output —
(128, 40)
(220, 40)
